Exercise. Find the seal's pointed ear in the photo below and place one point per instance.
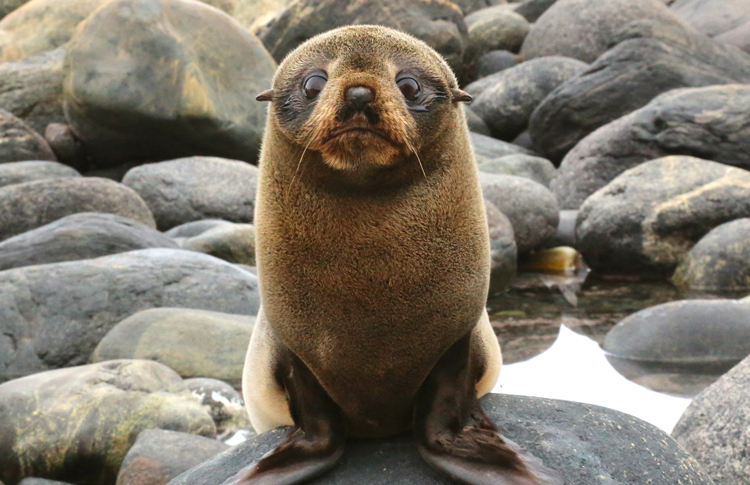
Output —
(461, 96)
(266, 95)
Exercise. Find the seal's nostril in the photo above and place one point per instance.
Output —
(359, 96)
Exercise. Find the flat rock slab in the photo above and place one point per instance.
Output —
(54, 315)
(714, 428)
(586, 444)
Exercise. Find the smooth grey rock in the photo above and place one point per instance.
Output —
(503, 249)
(7, 6)
(533, 9)
(584, 29)
(160, 455)
(476, 124)
(194, 343)
(720, 261)
(32, 89)
(77, 425)
(714, 427)
(234, 243)
(629, 76)
(531, 207)
(738, 37)
(493, 62)
(18, 142)
(194, 228)
(54, 315)
(189, 189)
(701, 336)
(647, 219)
(223, 403)
(495, 28)
(533, 168)
(30, 205)
(487, 148)
(144, 86)
(713, 17)
(21, 172)
(507, 104)
(566, 229)
(587, 444)
(80, 236)
(712, 123)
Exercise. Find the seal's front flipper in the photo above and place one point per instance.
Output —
(313, 446)
(456, 438)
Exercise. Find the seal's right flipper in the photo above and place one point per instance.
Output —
(313, 446)
(458, 439)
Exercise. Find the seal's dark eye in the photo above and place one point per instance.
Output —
(409, 88)
(314, 85)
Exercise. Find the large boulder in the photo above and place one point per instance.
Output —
(585, 29)
(714, 428)
(711, 123)
(647, 219)
(32, 89)
(78, 424)
(720, 261)
(531, 207)
(161, 79)
(513, 94)
(195, 343)
(160, 455)
(533, 168)
(627, 77)
(54, 315)
(26, 206)
(22, 172)
(495, 28)
(19, 142)
(189, 189)
(586, 444)
(440, 24)
(80, 236)
(487, 148)
(689, 336)
(494, 62)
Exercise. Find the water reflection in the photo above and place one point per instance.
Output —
(574, 369)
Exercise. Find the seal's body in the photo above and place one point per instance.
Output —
(373, 261)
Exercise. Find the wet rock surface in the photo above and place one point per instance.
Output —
(54, 315)
(78, 424)
(582, 442)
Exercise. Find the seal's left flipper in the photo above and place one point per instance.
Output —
(313, 446)
(458, 439)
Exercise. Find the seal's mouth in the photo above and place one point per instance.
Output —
(358, 131)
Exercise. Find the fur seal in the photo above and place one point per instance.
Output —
(374, 262)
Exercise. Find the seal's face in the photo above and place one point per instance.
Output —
(363, 97)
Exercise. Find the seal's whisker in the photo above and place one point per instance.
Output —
(418, 160)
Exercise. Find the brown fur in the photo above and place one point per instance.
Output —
(373, 251)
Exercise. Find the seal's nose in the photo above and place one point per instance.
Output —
(359, 96)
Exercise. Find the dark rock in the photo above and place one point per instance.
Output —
(586, 444)
(32, 89)
(486, 148)
(495, 28)
(77, 425)
(191, 229)
(234, 243)
(160, 455)
(628, 77)
(26, 206)
(647, 219)
(66, 146)
(720, 261)
(714, 427)
(470, 6)
(223, 403)
(506, 105)
(194, 343)
(503, 249)
(141, 85)
(713, 17)
(531, 10)
(585, 29)
(476, 124)
(19, 143)
(80, 236)
(533, 168)
(566, 229)
(494, 61)
(7, 6)
(189, 189)
(531, 208)
(689, 336)
(711, 123)
(440, 24)
(54, 315)
(22, 172)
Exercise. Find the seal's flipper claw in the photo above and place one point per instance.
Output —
(458, 439)
(314, 445)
